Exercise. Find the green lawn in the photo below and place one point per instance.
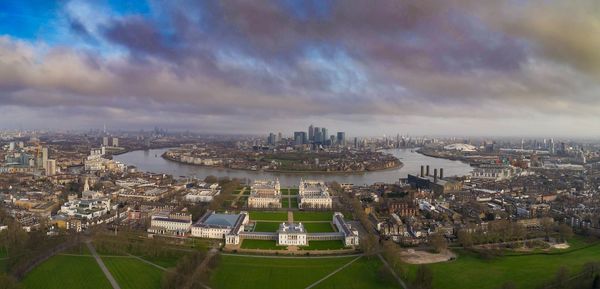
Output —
(285, 202)
(526, 271)
(324, 245)
(67, 272)
(294, 203)
(266, 227)
(236, 272)
(312, 216)
(268, 216)
(361, 274)
(293, 191)
(164, 261)
(318, 227)
(131, 273)
(261, 244)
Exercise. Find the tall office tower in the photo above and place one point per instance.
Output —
(311, 133)
(355, 142)
(316, 131)
(341, 138)
(552, 148)
(11, 146)
(331, 140)
(271, 140)
(105, 141)
(50, 167)
(299, 137)
(324, 135)
(317, 136)
(115, 141)
(279, 137)
(45, 157)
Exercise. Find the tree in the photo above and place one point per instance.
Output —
(424, 278)
(8, 282)
(565, 232)
(211, 179)
(596, 284)
(438, 242)
(465, 238)
(547, 226)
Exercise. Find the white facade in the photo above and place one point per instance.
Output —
(291, 234)
(350, 234)
(201, 196)
(221, 226)
(313, 195)
(170, 226)
(265, 194)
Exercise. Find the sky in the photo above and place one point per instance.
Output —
(426, 67)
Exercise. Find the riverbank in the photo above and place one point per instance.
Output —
(398, 165)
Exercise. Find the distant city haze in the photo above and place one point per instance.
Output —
(468, 68)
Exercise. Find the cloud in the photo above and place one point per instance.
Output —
(253, 63)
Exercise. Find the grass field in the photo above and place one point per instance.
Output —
(268, 216)
(246, 272)
(294, 202)
(324, 245)
(66, 272)
(261, 244)
(312, 216)
(131, 273)
(318, 227)
(361, 274)
(266, 227)
(164, 261)
(285, 202)
(293, 191)
(526, 271)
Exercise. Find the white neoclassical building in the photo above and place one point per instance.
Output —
(291, 234)
(221, 226)
(265, 194)
(313, 195)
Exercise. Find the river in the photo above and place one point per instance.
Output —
(151, 161)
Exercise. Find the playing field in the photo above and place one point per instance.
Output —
(67, 272)
(266, 227)
(312, 216)
(318, 227)
(261, 244)
(235, 272)
(324, 245)
(131, 273)
(526, 271)
(268, 216)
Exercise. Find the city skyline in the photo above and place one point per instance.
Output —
(464, 68)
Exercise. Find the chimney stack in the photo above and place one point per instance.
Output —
(422, 171)
(427, 171)
(435, 175)
(441, 173)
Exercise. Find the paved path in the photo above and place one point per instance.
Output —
(333, 273)
(109, 276)
(290, 216)
(148, 262)
(392, 270)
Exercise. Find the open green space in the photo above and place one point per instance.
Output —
(324, 245)
(266, 227)
(67, 272)
(235, 272)
(261, 244)
(132, 273)
(525, 270)
(164, 261)
(312, 216)
(293, 191)
(360, 274)
(294, 202)
(268, 216)
(285, 202)
(318, 227)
